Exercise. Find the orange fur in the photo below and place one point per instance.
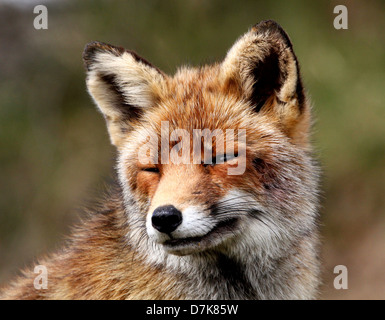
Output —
(252, 235)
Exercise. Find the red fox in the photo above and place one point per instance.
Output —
(217, 193)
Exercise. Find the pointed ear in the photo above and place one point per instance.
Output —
(122, 84)
(263, 66)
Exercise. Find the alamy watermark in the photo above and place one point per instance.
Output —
(341, 281)
(41, 280)
(181, 146)
(341, 20)
(41, 20)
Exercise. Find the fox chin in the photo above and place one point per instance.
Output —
(217, 188)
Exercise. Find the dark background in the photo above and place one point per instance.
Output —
(55, 154)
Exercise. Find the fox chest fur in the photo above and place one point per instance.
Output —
(217, 188)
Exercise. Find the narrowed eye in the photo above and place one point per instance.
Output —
(224, 158)
(221, 159)
(151, 169)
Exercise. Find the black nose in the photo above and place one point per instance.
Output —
(166, 219)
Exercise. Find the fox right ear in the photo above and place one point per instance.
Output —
(263, 68)
(122, 84)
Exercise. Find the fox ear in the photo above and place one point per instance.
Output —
(122, 84)
(263, 66)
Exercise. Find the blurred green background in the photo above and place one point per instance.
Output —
(55, 154)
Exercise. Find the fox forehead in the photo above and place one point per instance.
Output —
(199, 99)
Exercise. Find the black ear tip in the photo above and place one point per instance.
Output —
(90, 51)
(272, 28)
(93, 48)
(264, 25)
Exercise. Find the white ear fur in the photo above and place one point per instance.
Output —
(122, 84)
(255, 58)
(263, 66)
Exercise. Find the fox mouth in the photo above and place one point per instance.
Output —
(183, 246)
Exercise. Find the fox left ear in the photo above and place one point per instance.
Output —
(263, 66)
(122, 84)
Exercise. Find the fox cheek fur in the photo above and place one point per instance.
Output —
(192, 230)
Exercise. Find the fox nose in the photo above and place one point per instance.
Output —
(166, 219)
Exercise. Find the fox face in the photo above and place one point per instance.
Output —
(212, 159)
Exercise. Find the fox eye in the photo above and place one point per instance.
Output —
(221, 159)
(151, 169)
(224, 158)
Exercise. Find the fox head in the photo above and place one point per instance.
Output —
(252, 105)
